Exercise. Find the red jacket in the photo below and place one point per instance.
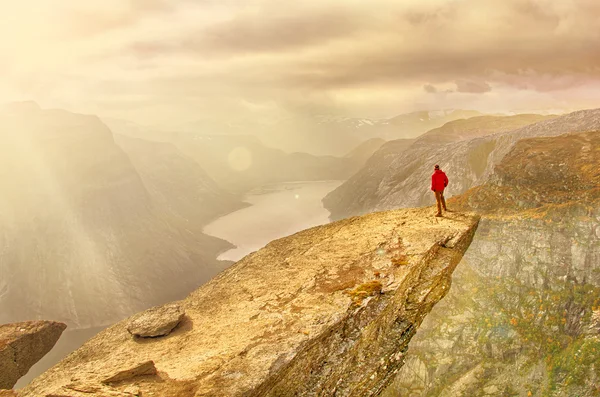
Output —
(439, 181)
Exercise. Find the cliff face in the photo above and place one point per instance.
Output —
(403, 180)
(522, 318)
(82, 239)
(327, 311)
(24, 344)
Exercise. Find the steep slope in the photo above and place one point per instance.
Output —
(475, 127)
(404, 181)
(365, 150)
(24, 344)
(82, 241)
(523, 315)
(176, 182)
(412, 125)
(327, 311)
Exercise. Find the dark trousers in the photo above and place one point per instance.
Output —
(441, 201)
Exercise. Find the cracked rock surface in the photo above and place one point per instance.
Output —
(326, 311)
(24, 344)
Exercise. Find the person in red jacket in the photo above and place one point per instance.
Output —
(439, 181)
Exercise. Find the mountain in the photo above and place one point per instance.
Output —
(365, 150)
(328, 311)
(176, 182)
(331, 135)
(242, 162)
(523, 315)
(83, 240)
(403, 178)
(475, 127)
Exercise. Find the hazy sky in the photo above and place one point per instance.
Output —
(164, 61)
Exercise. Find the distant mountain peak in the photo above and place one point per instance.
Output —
(21, 107)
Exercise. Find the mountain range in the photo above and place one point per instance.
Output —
(242, 162)
(87, 235)
(401, 178)
(327, 134)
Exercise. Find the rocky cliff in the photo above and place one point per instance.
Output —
(327, 311)
(24, 344)
(522, 316)
(83, 241)
(403, 179)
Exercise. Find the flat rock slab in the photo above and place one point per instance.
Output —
(24, 344)
(327, 311)
(157, 321)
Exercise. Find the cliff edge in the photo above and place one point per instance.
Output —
(327, 311)
(24, 344)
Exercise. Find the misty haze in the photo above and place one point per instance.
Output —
(314, 198)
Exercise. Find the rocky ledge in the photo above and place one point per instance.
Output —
(327, 311)
(24, 344)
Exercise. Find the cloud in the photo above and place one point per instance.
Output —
(185, 56)
(430, 89)
(472, 87)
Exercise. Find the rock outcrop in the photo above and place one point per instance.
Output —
(157, 321)
(523, 313)
(467, 154)
(24, 344)
(327, 311)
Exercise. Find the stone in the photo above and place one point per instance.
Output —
(302, 316)
(141, 369)
(24, 344)
(157, 321)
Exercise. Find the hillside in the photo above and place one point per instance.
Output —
(404, 180)
(523, 315)
(83, 241)
(327, 311)
(365, 150)
(475, 127)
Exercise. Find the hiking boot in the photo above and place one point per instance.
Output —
(438, 214)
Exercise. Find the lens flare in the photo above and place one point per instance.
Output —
(240, 159)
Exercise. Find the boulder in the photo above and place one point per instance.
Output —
(157, 321)
(24, 344)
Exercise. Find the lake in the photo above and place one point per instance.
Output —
(275, 211)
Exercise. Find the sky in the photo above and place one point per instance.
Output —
(163, 62)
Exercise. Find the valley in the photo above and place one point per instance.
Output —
(163, 189)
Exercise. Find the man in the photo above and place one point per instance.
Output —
(439, 181)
